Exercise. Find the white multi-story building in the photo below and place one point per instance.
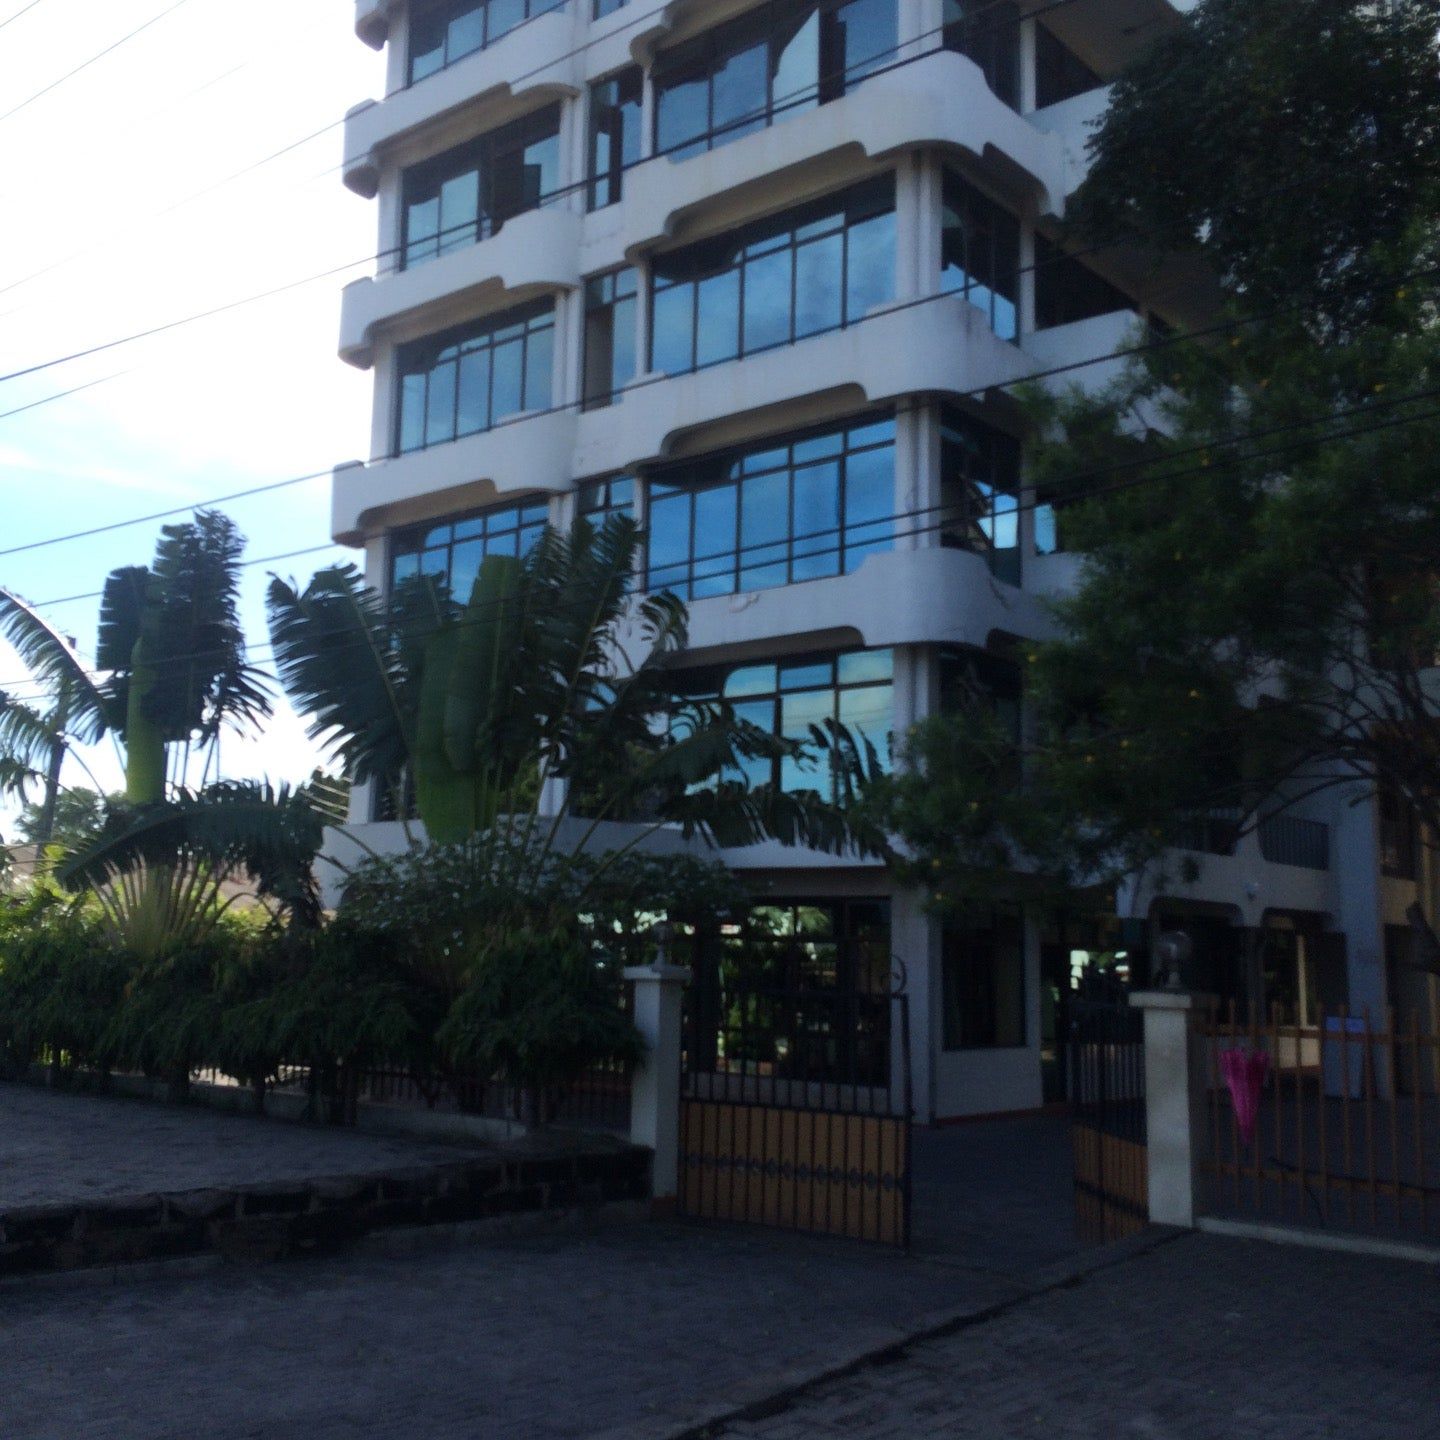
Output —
(765, 273)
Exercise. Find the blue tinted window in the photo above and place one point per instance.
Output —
(980, 254)
(809, 507)
(442, 33)
(470, 379)
(809, 270)
(980, 491)
(454, 550)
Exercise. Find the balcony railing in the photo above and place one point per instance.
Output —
(1291, 840)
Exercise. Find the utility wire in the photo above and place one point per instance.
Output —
(86, 64)
(1054, 371)
(24, 10)
(74, 390)
(950, 515)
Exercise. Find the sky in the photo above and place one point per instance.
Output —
(122, 184)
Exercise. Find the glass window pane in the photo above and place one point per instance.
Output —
(539, 363)
(869, 28)
(672, 326)
(817, 521)
(669, 541)
(504, 15)
(508, 381)
(459, 205)
(750, 680)
(859, 667)
(427, 45)
(412, 412)
(464, 568)
(869, 504)
(870, 274)
(715, 541)
(807, 675)
(422, 221)
(866, 712)
(819, 285)
(474, 409)
(796, 70)
(440, 405)
(739, 94)
(764, 525)
(767, 301)
(623, 367)
(467, 33)
(682, 112)
(717, 328)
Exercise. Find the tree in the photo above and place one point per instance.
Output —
(79, 815)
(552, 674)
(1258, 616)
(171, 654)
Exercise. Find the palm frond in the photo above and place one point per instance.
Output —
(335, 658)
(198, 643)
(269, 834)
(49, 658)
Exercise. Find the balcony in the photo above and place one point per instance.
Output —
(523, 454)
(929, 596)
(1073, 121)
(531, 254)
(1293, 840)
(486, 77)
(372, 21)
(943, 346)
(940, 100)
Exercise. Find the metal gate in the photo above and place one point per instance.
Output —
(1107, 1119)
(795, 1110)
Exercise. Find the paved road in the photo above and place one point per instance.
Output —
(635, 1332)
(56, 1148)
(1202, 1339)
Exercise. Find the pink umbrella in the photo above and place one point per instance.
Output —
(1244, 1072)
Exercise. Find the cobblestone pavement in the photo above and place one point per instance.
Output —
(636, 1332)
(1201, 1338)
(56, 1147)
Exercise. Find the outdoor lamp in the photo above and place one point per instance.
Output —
(1174, 949)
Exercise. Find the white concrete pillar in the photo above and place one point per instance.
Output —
(647, 114)
(1027, 64)
(1174, 1103)
(655, 1093)
(1359, 894)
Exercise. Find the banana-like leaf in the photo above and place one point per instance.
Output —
(486, 634)
(337, 661)
(191, 620)
(270, 834)
(49, 658)
(27, 738)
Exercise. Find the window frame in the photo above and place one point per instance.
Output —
(992, 233)
(746, 249)
(735, 467)
(970, 514)
(603, 296)
(534, 319)
(709, 683)
(482, 157)
(531, 516)
(455, 9)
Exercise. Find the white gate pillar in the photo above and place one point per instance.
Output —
(1174, 1103)
(655, 1092)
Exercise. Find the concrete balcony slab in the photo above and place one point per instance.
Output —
(540, 51)
(527, 454)
(534, 253)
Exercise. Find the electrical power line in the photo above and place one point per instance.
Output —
(86, 64)
(24, 10)
(949, 513)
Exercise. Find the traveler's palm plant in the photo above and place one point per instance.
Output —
(553, 674)
(171, 675)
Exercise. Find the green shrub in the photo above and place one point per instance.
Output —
(538, 1013)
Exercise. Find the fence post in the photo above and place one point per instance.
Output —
(655, 1094)
(1174, 1103)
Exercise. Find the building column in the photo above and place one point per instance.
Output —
(655, 1091)
(1174, 1103)
(1359, 897)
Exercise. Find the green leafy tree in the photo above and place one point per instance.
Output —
(1258, 617)
(79, 816)
(551, 672)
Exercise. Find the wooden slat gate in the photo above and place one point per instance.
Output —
(1107, 1119)
(795, 1111)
